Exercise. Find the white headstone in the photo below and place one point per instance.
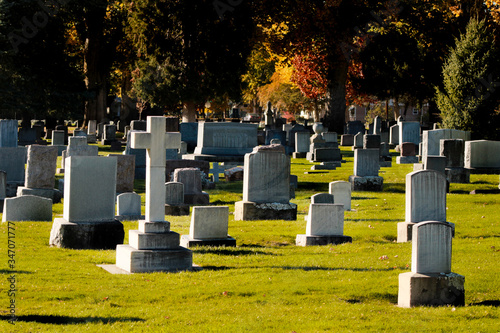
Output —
(431, 248)
(366, 162)
(482, 154)
(128, 204)
(301, 142)
(341, 191)
(27, 208)
(209, 222)
(325, 220)
(425, 196)
(409, 131)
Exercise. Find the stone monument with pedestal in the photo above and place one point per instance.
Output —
(266, 186)
(366, 167)
(154, 247)
(431, 282)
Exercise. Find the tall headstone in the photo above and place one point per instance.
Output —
(301, 144)
(325, 225)
(358, 141)
(394, 135)
(409, 131)
(41, 173)
(366, 167)
(154, 247)
(431, 282)
(209, 227)
(341, 191)
(8, 133)
(425, 201)
(454, 152)
(12, 161)
(109, 134)
(88, 220)
(174, 199)
(77, 146)
(266, 186)
(125, 170)
(377, 125)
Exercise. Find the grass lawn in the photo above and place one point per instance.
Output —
(266, 283)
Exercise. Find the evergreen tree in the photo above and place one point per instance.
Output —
(470, 78)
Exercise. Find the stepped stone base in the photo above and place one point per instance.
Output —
(305, 240)
(187, 241)
(368, 183)
(100, 235)
(48, 193)
(247, 210)
(177, 210)
(140, 261)
(431, 289)
(405, 230)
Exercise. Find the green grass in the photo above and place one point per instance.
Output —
(266, 283)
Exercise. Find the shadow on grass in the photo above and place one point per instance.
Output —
(494, 303)
(65, 320)
(371, 220)
(362, 198)
(220, 202)
(8, 271)
(226, 252)
(308, 268)
(319, 187)
(394, 188)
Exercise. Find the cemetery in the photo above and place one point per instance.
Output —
(339, 257)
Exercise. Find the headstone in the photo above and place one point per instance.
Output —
(12, 160)
(330, 137)
(171, 165)
(293, 134)
(266, 186)
(274, 134)
(325, 225)
(355, 127)
(172, 124)
(174, 199)
(436, 163)
(8, 133)
(234, 174)
(58, 138)
(153, 247)
(209, 227)
(322, 198)
(125, 171)
(191, 178)
(65, 129)
(88, 220)
(394, 135)
(100, 131)
(366, 167)
(454, 152)
(92, 127)
(377, 125)
(482, 156)
(138, 125)
(409, 131)
(77, 147)
(40, 173)
(27, 136)
(347, 140)
(341, 191)
(109, 134)
(358, 141)
(78, 132)
(431, 282)
(27, 208)
(189, 134)
(407, 153)
(128, 206)
(431, 139)
(425, 201)
(371, 141)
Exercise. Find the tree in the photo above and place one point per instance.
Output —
(471, 77)
(189, 51)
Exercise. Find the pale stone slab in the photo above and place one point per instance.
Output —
(341, 191)
(41, 167)
(482, 154)
(209, 222)
(27, 208)
(394, 135)
(431, 139)
(366, 162)
(58, 138)
(301, 142)
(409, 131)
(325, 220)
(128, 204)
(226, 138)
(425, 196)
(139, 261)
(431, 247)
(89, 189)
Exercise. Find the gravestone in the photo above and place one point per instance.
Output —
(322, 198)
(385, 155)
(128, 207)
(27, 208)
(63, 128)
(40, 173)
(27, 136)
(209, 227)
(125, 171)
(77, 147)
(325, 225)
(88, 220)
(436, 163)
(407, 153)
(172, 124)
(425, 200)
(92, 127)
(274, 134)
(8, 133)
(482, 156)
(58, 141)
(454, 152)
(358, 141)
(109, 134)
(371, 141)
(394, 135)
(171, 165)
(341, 191)
(189, 134)
(266, 186)
(138, 125)
(409, 131)
(321, 150)
(377, 125)
(292, 135)
(355, 127)
(174, 199)
(431, 282)
(366, 167)
(431, 139)
(191, 178)
(12, 160)
(154, 247)
(347, 140)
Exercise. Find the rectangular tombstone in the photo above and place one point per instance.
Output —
(12, 160)
(330, 137)
(358, 140)
(347, 140)
(58, 138)
(371, 141)
(341, 191)
(322, 198)
(302, 142)
(425, 196)
(8, 133)
(109, 132)
(209, 222)
(482, 154)
(138, 125)
(92, 127)
(174, 193)
(75, 141)
(266, 177)
(453, 150)
(355, 127)
(191, 179)
(409, 131)
(408, 149)
(431, 248)
(41, 167)
(325, 220)
(226, 139)
(89, 189)
(394, 135)
(27, 208)
(125, 171)
(128, 204)
(436, 163)
(431, 140)
(172, 124)
(189, 134)
(366, 162)
(291, 135)
(275, 134)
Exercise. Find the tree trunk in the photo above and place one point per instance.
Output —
(189, 112)
(336, 104)
(94, 68)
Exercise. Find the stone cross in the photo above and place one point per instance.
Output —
(155, 140)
